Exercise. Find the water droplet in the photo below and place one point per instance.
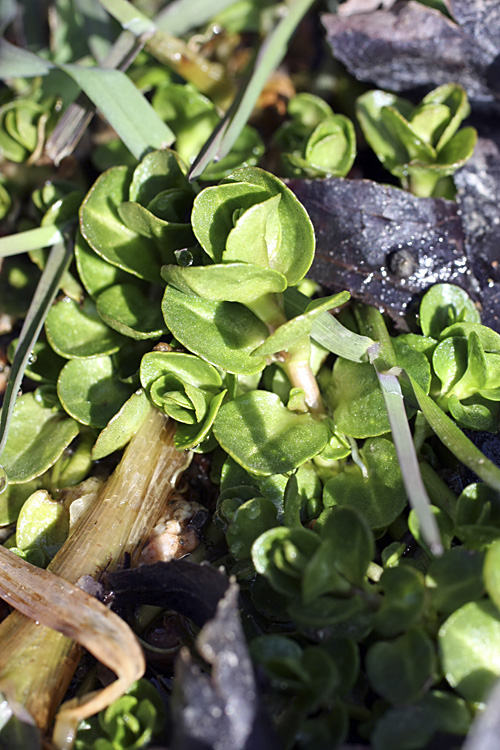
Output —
(3, 480)
(32, 359)
(184, 257)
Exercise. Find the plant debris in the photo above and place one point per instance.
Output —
(411, 45)
(382, 244)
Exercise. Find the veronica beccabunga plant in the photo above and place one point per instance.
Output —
(422, 145)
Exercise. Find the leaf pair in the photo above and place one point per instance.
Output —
(421, 144)
(316, 142)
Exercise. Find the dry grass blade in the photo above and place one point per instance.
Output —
(38, 662)
(62, 606)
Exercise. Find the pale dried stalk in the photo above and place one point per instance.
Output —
(36, 662)
(62, 606)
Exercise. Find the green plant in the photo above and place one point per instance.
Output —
(367, 582)
(422, 145)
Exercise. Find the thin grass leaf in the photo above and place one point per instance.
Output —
(121, 103)
(177, 18)
(76, 119)
(124, 107)
(57, 263)
(270, 54)
(130, 17)
(454, 439)
(408, 460)
(329, 332)
(62, 606)
(16, 62)
(181, 16)
(8, 10)
(32, 239)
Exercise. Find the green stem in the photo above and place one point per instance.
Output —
(439, 492)
(298, 370)
(269, 310)
(424, 184)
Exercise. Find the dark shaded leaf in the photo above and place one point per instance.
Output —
(412, 45)
(381, 243)
(221, 711)
(478, 196)
(192, 590)
(218, 712)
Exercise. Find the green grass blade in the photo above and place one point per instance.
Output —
(32, 239)
(454, 439)
(57, 263)
(124, 107)
(130, 17)
(181, 16)
(408, 460)
(120, 102)
(16, 62)
(329, 332)
(270, 54)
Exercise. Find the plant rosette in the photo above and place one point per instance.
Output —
(315, 142)
(422, 145)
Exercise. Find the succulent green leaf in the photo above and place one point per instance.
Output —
(469, 645)
(192, 436)
(104, 230)
(475, 413)
(442, 306)
(44, 364)
(403, 600)
(223, 333)
(129, 310)
(77, 332)
(331, 147)
(37, 437)
(90, 391)
(295, 253)
(214, 210)
(157, 171)
(356, 400)
(287, 335)
(457, 151)
(388, 149)
(189, 368)
(265, 437)
(341, 616)
(455, 578)
(227, 282)
(43, 523)
(417, 148)
(401, 670)
(13, 498)
(321, 576)
(95, 273)
(492, 573)
(249, 521)
(352, 540)
(380, 497)
(122, 426)
(454, 98)
(281, 554)
(478, 504)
